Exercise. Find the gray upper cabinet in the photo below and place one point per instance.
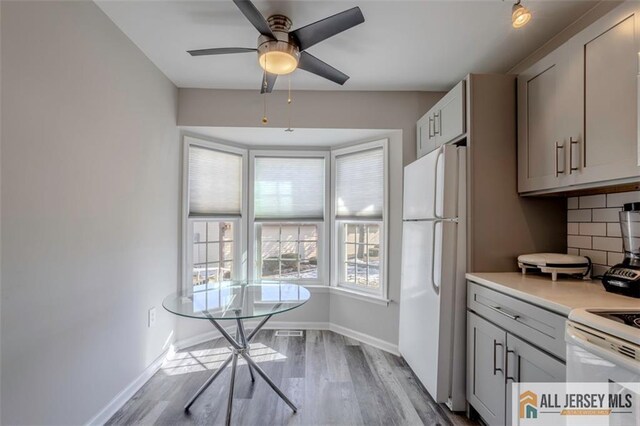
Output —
(443, 123)
(577, 109)
(609, 149)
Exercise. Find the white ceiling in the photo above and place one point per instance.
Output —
(403, 45)
(275, 137)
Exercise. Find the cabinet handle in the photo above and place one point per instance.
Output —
(506, 366)
(571, 143)
(439, 117)
(558, 146)
(495, 369)
(431, 126)
(499, 310)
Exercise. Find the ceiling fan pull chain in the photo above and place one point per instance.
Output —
(264, 99)
(289, 129)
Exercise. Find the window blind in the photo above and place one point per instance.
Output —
(215, 183)
(360, 185)
(289, 188)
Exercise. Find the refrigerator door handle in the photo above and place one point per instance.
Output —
(435, 193)
(436, 288)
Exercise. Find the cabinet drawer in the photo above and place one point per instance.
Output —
(536, 325)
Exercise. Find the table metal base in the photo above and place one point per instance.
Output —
(239, 348)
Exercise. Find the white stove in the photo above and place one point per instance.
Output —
(603, 345)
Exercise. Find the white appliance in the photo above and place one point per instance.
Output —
(554, 264)
(603, 345)
(433, 290)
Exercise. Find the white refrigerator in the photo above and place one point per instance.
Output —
(433, 289)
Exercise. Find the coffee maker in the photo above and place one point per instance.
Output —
(624, 278)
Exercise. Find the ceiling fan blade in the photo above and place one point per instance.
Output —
(254, 16)
(267, 83)
(314, 65)
(220, 51)
(314, 33)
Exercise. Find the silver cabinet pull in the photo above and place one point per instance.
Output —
(431, 126)
(495, 369)
(571, 143)
(437, 115)
(558, 146)
(499, 310)
(506, 366)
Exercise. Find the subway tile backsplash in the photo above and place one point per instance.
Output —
(593, 227)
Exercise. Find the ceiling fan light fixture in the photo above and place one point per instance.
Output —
(520, 15)
(278, 57)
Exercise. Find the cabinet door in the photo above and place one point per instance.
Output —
(426, 136)
(525, 363)
(609, 149)
(449, 118)
(548, 106)
(485, 369)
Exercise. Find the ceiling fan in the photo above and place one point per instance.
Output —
(281, 51)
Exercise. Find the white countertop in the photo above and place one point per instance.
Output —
(561, 296)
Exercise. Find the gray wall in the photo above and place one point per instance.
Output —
(90, 211)
(328, 109)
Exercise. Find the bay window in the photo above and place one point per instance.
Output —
(359, 217)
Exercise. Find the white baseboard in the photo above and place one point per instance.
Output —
(125, 395)
(298, 325)
(365, 338)
(121, 398)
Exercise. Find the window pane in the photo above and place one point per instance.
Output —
(213, 231)
(199, 253)
(227, 251)
(351, 233)
(289, 233)
(270, 232)
(350, 252)
(226, 271)
(309, 251)
(373, 254)
(270, 250)
(308, 233)
(270, 269)
(212, 272)
(213, 252)
(350, 272)
(289, 269)
(289, 250)
(373, 234)
(374, 276)
(199, 274)
(227, 231)
(199, 232)
(361, 253)
(361, 274)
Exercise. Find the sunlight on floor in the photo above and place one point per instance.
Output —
(210, 359)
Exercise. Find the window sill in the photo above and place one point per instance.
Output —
(371, 298)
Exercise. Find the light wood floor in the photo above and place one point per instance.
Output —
(332, 379)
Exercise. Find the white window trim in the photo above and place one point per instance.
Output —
(240, 223)
(323, 232)
(336, 241)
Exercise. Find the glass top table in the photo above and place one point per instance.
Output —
(237, 301)
(230, 300)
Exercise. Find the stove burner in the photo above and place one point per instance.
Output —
(628, 318)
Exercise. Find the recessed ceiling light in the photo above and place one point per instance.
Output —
(520, 15)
